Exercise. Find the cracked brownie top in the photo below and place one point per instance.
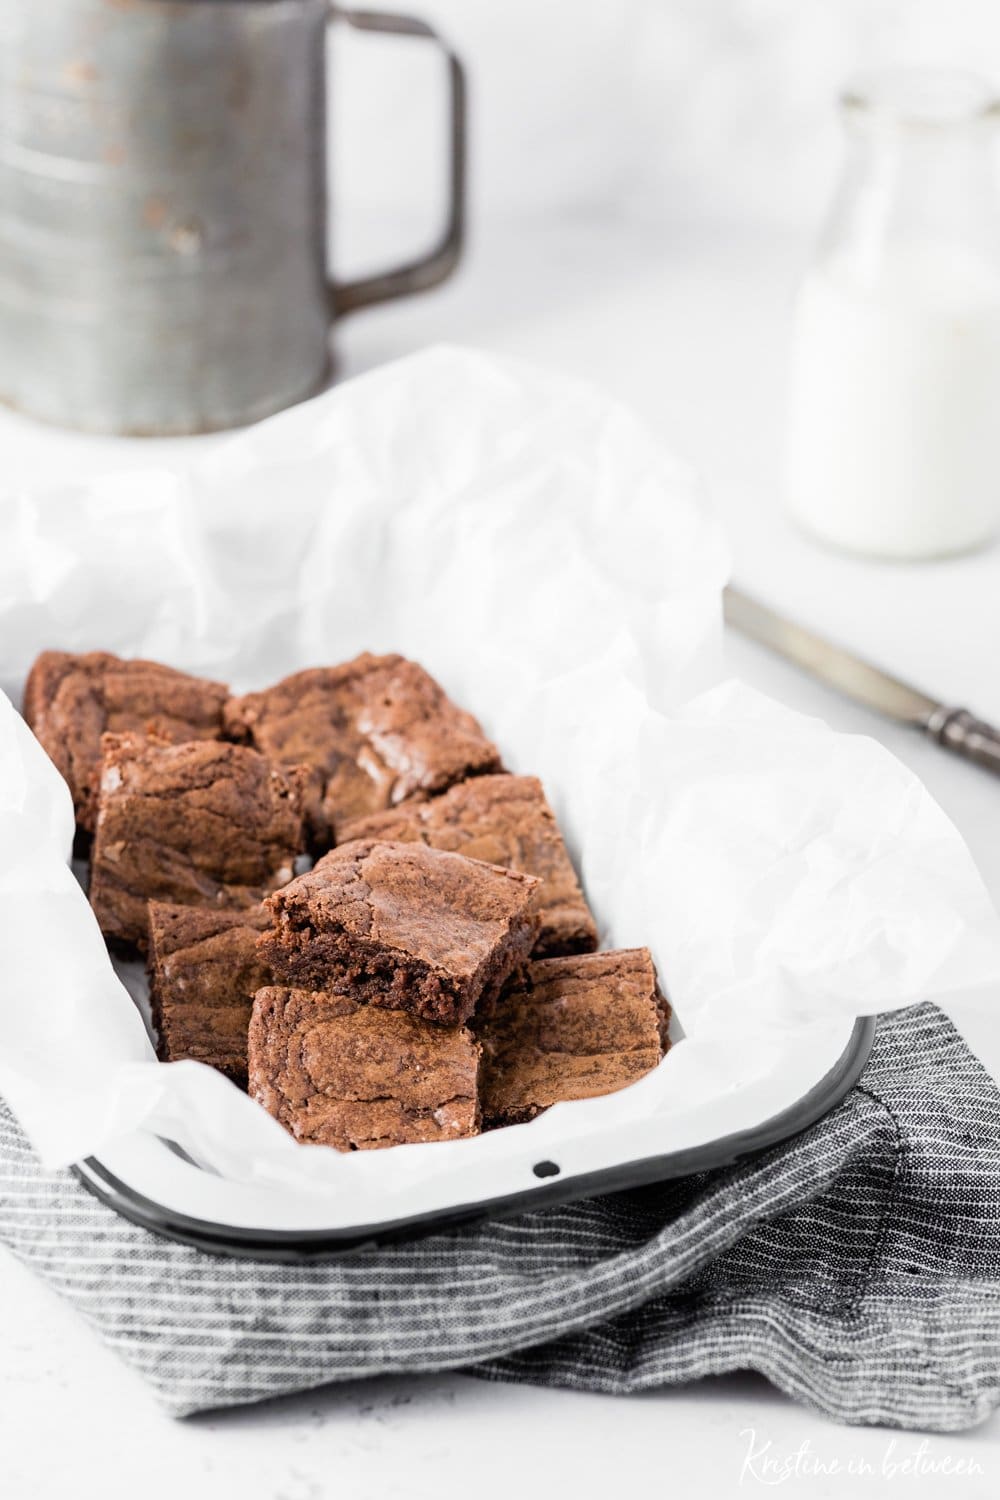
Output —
(339, 1074)
(203, 823)
(572, 1028)
(403, 926)
(71, 700)
(377, 730)
(505, 820)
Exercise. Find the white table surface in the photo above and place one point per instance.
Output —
(691, 330)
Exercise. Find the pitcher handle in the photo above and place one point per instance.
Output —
(431, 269)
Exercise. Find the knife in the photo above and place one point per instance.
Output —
(954, 728)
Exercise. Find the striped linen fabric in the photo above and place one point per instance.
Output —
(856, 1266)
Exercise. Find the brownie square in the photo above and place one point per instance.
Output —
(204, 970)
(377, 730)
(71, 700)
(575, 1027)
(339, 1074)
(403, 926)
(504, 820)
(198, 824)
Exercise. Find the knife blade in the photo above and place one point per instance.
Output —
(954, 728)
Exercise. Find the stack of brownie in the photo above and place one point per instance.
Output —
(346, 903)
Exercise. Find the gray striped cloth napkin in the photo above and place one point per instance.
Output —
(856, 1266)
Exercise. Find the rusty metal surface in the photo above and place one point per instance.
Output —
(162, 210)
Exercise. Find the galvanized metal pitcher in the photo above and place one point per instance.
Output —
(163, 209)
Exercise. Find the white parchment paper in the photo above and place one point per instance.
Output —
(529, 542)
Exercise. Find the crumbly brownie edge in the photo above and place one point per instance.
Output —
(491, 1121)
(383, 977)
(170, 1009)
(442, 781)
(507, 960)
(558, 940)
(48, 672)
(303, 958)
(664, 1012)
(308, 955)
(233, 1067)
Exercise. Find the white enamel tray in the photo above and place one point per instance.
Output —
(541, 556)
(155, 1184)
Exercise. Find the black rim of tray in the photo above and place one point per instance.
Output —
(317, 1244)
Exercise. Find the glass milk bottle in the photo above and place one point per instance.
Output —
(894, 409)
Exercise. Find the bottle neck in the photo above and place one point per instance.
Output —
(915, 194)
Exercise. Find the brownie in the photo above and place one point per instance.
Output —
(403, 926)
(377, 730)
(504, 820)
(340, 1074)
(574, 1027)
(71, 700)
(198, 824)
(204, 970)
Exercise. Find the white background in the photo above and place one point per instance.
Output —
(663, 111)
(648, 175)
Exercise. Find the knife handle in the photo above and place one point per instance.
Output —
(958, 730)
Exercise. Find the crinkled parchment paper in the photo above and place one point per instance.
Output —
(527, 541)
